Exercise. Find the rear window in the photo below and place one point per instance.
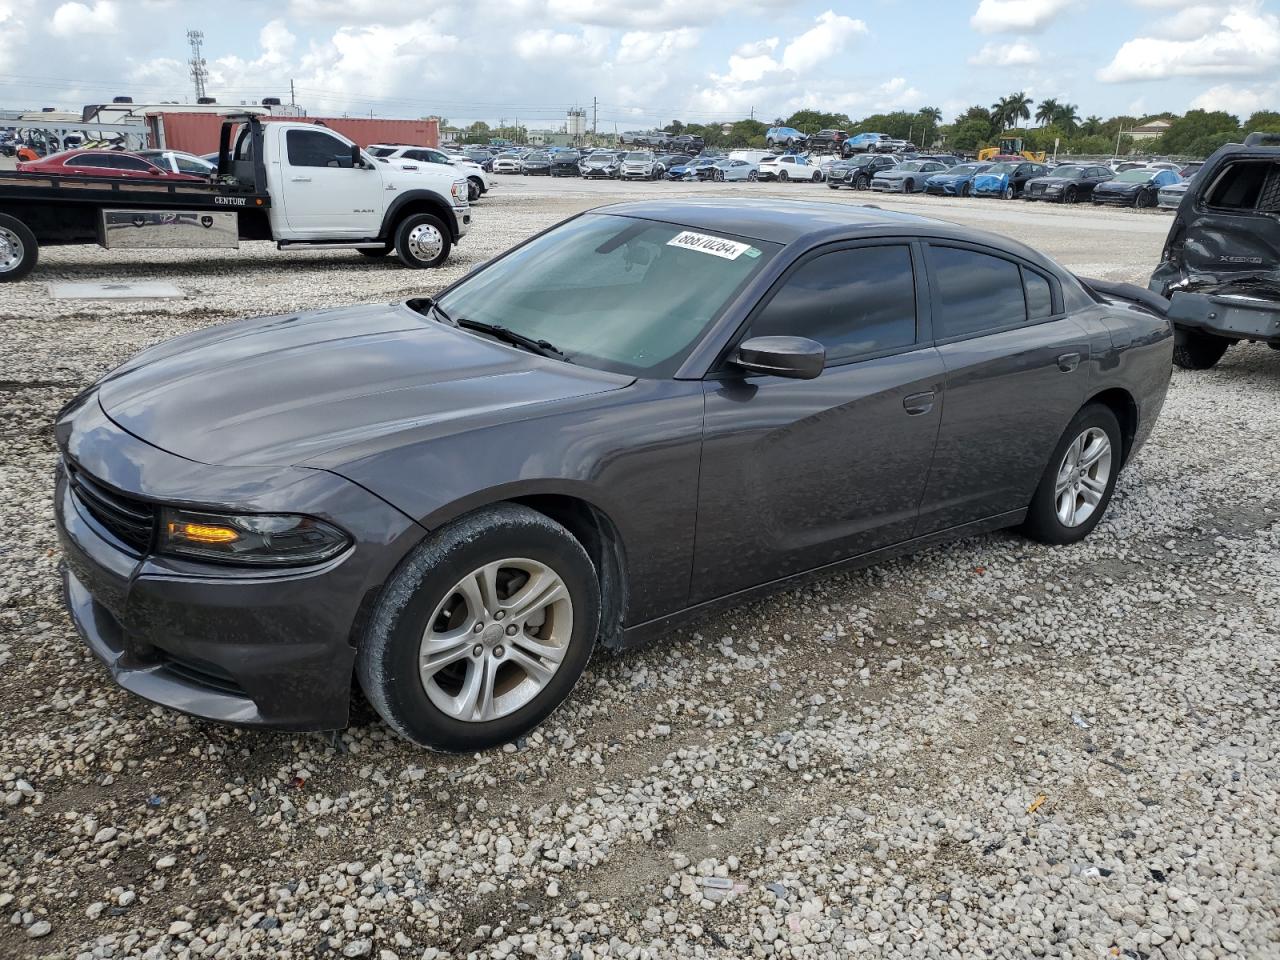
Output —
(975, 292)
(1039, 295)
(1246, 185)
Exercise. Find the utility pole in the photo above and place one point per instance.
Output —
(594, 104)
(198, 72)
(292, 101)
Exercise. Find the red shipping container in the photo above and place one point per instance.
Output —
(198, 132)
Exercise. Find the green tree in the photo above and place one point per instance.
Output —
(929, 117)
(1066, 117)
(1263, 121)
(1019, 107)
(811, 121)
(675, 127)
(1199, 132)
(1092, 124)
(1047, 112)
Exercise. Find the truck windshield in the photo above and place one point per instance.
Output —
(616, 293)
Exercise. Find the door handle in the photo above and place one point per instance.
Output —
(300, 179)
(918, 403)
(1068, 362)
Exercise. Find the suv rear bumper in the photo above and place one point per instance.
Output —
(1235, 316)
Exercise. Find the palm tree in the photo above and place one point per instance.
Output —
(1047, 112)
(1019, 105)
(1067, 118)
(930, 116)
(1000, 114)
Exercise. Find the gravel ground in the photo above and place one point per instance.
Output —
(988, 749)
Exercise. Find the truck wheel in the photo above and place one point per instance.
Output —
(422, 241)
(19, 250)
(1198, 351)
(482, 632)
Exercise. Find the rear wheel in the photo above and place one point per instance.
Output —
(19, 250)
(909, 186)
(1070, 195)
(474, 189)
(1079, 480)
(964, 189)
(422, 241)
(483, 631)
(1198, 351)
(1008, 192)
(783, 176)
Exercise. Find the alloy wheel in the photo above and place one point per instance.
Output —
(496, 639)
(1082, 477)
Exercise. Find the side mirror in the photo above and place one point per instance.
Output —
(798, 358)
(356, 159)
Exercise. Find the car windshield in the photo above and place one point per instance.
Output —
(908, 167)
(382, 151)
(968, 169)
(538, 156)
(570, 155)
(617, 293)
(639, 155)
(1135, 176)
(998, 169)
(1066, 173)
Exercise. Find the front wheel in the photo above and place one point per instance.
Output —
(753, 176)
(473, 190)
(1008, 192)
(1143, 200)
(1198, 351)
(482, 632)
(862, 183)
(19, 250)
(1070, 195)
(782, 176)
(909, 187)
(1079, 480)
(964, 190)
(422, 241)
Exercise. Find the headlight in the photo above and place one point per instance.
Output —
(1053, 188)
(253, 539)
(459, 190)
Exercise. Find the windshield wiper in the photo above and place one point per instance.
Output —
(543, 348)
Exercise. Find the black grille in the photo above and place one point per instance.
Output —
(1037, 188)
(201, 674)
(128, 520)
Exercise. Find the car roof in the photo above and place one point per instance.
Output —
(805, 221)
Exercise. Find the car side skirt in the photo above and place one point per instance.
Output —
(640, 633)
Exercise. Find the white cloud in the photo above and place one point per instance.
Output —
(1239, 100)
(544, 44)
(1244, 42)
(1016, 16)
(78, 19)
(644, 46)
(823, 42)
(276, 41)
(760, 48)
(1020, 53)
(653, 14)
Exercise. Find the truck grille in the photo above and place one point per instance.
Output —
(128, 520)
(1037, 188)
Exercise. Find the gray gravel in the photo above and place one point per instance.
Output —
(988, 749)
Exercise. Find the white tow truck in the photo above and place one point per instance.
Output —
(300, 184)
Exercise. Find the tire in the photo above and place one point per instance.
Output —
(1069, 195)
(753, 176)
(817, 176)
(473, 190)
(417, 246)
(1198, 351)
(909, 186)
(1143, 200)
(1044, 520)
(1008, 192)
(833, 186)
(20, 249)
(423, 596)
(964, 190)
(862, 183)
(783, 176)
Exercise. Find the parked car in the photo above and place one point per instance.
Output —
(1006, 180)
(955, 181)
(857, 172)
(601, 166)
(946, 159)
(863, 143)
(1190, 169)
(565, 163)
(788, 167)
(102, 163)
(689, 170)
(669, 160)
(827, 140)
(640, 165)
(1070, 183)
(176, 161)
(509, 161)
(688, 143)
(1218, 266)
(1134, 188)
(906, 177)
(729, 169)
(260, 543)
(407, 156)
(1170, 197)
(784, 137)
(536, 163)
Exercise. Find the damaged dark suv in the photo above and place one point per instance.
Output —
(1221, 262)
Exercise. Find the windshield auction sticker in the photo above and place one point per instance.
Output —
(703, 243)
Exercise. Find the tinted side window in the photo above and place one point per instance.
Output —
(130, 163)
(91, 160)
(314, 148)
(1239, 185)
(853, 302)
(1039, 295)
(975, 292)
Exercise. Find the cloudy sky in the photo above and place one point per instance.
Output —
(648, 61)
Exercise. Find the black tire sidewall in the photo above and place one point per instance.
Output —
(401, 241)
(30, 248)
(387, 662)
(1198, 351)
(1042, 521)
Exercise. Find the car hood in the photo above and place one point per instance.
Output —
(1111, 186)
(296, 389)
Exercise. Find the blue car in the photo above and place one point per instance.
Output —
(863, 143)
(1006, 179)
(689, 171)
(784, 137)
(956, 182)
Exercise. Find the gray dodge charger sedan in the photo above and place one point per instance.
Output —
(649, 410)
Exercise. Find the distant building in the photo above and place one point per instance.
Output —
(1149, 131)
(576, 124)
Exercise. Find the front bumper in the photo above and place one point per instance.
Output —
(1235, 316)
(887, 186)
(1116, 199)
(270, 647)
